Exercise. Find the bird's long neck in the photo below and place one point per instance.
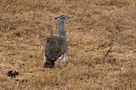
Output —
(60, 27)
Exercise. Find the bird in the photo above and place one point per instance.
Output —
(56, 46)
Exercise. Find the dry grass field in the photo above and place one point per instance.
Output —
(101, 43)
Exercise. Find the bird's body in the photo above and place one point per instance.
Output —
(56, 46)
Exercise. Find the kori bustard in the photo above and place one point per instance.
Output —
(56, 46)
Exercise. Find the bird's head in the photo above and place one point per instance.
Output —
(62, 17)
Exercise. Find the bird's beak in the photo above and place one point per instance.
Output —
(67, 17)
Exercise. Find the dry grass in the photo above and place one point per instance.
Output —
(101, 38)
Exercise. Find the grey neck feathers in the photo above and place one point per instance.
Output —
(60, 27)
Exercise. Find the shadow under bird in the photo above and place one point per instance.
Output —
(56, 46)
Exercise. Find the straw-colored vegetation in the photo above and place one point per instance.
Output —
(101, 39)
